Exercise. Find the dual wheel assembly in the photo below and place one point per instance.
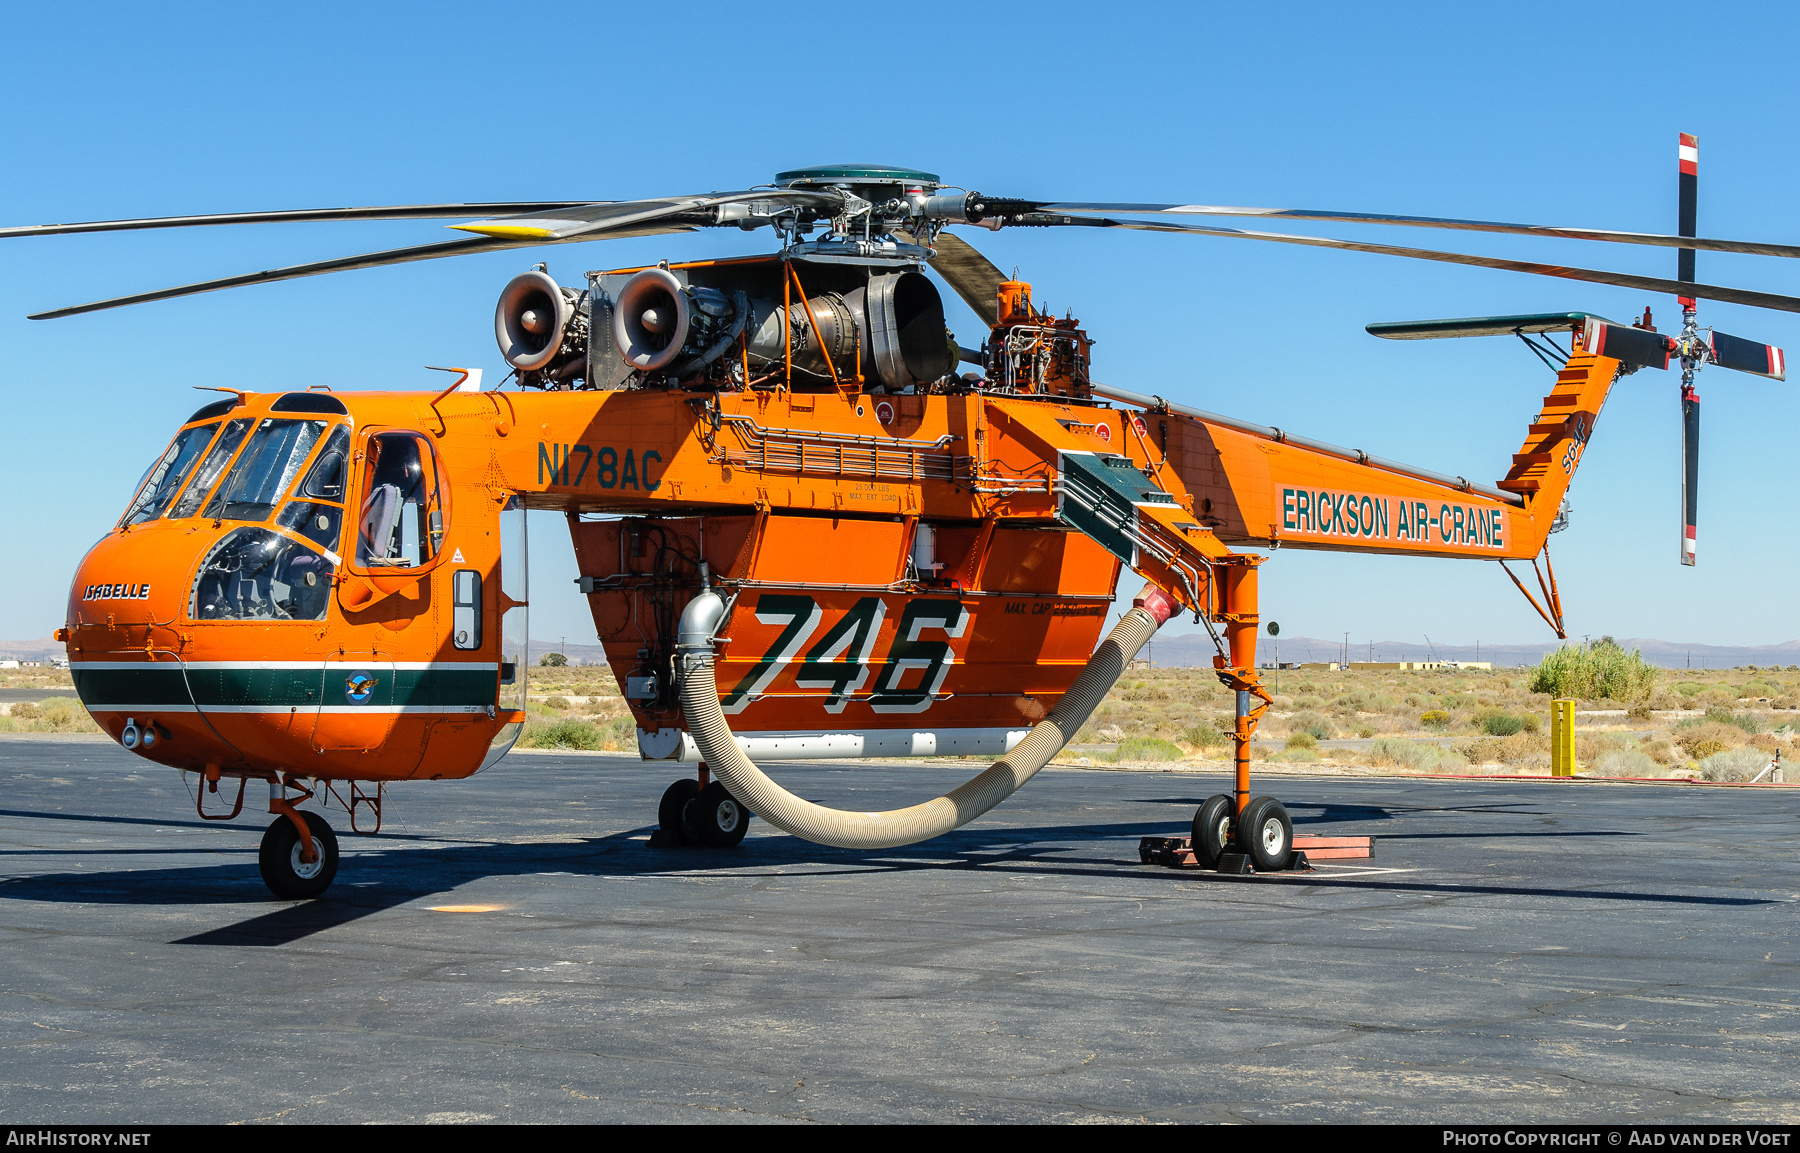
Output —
(1265, 835)
(693, 814)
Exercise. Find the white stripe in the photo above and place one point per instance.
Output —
(1689, 153)
(802, 745)
(286, 710)
(410, 666)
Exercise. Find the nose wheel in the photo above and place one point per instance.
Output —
(280, 858)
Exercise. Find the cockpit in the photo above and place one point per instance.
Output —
(283, 479)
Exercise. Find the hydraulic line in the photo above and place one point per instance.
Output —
(847, 830)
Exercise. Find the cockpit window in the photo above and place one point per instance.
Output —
(163, 481)
(319, 523)
(264, 469)
(325, 480)
(402, 520)
(208, 472)
(254, 574)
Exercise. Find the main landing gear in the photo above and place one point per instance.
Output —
(700, 812)
(1262, 842)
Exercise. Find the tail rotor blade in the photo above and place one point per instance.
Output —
(1748, 356)
(1689, 179)
(1690, 471)
(1634, 346)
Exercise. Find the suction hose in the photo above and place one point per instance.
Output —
(847, 830)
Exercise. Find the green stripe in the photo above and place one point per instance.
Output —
(446, 686)
(158, 685)
(281, 688)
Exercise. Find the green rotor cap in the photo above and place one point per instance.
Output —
(855, 174)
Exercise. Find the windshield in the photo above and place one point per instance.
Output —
(163, 481)
(254, 574)
(265, 469)
(210, 468)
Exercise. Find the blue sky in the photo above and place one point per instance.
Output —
(1552, 113)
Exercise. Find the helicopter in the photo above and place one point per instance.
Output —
(803, 532)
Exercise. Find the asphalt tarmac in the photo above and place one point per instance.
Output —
(1516, 951)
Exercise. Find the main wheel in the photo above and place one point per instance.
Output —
(1266, 835)
(716, 818)
(674, 800)
(284, 872)
(1212, 830)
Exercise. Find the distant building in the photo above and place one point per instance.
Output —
(1417, 666)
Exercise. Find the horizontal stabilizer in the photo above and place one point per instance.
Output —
(1637, 347)
(1528, 324)
(1748, 356)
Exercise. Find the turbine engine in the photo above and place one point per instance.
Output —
(726, 323)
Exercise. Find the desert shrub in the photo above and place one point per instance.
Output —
(1705, 738)
(1758, 689)
(26, 711)
(1625, 763)
(560, 704)
(1661, 751)
(1749, 722)
(1639, 711)
(1308, 701)
(1591, 673)
(1311, 723)
(1510, 750)
(1485, 751)
(1365, 731)
(1499, 723)
(1302, 740)
(60, 711)
(1304, 756)
(565, 734)
(1733, 765)
(552, 661)
(1690, 689)
(1205, 736)
(1435, 719)
(1412, 755)
(1148, 749)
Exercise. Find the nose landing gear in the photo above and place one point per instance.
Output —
(282, 857)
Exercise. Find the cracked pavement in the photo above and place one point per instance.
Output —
(1516, 951)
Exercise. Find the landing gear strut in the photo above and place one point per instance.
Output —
(700, 812)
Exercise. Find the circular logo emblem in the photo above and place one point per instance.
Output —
(358, 688)
(1104, 433)
(884, 412)
(1137, 425)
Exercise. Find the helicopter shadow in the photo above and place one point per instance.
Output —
(370, 882)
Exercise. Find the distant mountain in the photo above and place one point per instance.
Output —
(31, 650)
(1190, 649)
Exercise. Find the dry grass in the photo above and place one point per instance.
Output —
(1456, 721)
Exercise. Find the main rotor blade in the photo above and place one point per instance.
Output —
(298, 215)
(606, 215)
(1754, 248)
(971, 275)
(345, 264)
(1620, 279)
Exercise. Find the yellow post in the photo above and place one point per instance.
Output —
(1562, 738)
